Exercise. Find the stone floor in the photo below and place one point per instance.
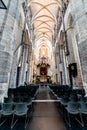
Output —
(46, 115)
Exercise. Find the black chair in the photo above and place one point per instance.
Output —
(7, 110)
(18, 99)
(73, 109)
(64, 100)
(27, 100)
(8, 100)
(82, 99)
(20, 110)
(83, 110)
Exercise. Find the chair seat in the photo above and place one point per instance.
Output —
(83, 107)
(21, 109)
(83, 111)
(7, 113)
(72, 111)
(20, 113)
(8, 109)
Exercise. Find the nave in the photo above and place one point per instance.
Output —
(46, 115)
(43, 64)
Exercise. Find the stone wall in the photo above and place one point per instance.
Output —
(73, 45)
(17, 48)
(79, 12)
(8, 29)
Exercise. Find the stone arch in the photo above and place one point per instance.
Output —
(73, 48)
(43, 51)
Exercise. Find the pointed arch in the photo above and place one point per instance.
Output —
(42, 38)
(39, 31)
(43, 23)
(48, 20)
(44, 16)
(44, 28)
(43, 35)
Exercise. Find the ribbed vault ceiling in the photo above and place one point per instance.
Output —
(44, 13)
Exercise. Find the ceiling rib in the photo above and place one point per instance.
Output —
(48, 20)
(48, 31)
(44, 16)
(44, 7)
(43, 35)
(42, 24)
(44, 28)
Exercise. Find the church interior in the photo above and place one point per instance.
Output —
(43, 64)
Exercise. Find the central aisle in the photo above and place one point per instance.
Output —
(46, 115)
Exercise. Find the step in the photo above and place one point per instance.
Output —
(45, 100)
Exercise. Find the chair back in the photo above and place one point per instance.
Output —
(21, 107)
(8, 106)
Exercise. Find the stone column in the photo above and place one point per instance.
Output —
(57, 67)
(8, 27)
(79, 13)
(23, 64)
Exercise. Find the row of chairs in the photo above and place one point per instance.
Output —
(21, 94)
(17, 111)
(18, 99)
(76, 108)
(18, 104)
(60, 90)
(72, 102)
(28, 90)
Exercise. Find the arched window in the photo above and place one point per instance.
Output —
(43, 51)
